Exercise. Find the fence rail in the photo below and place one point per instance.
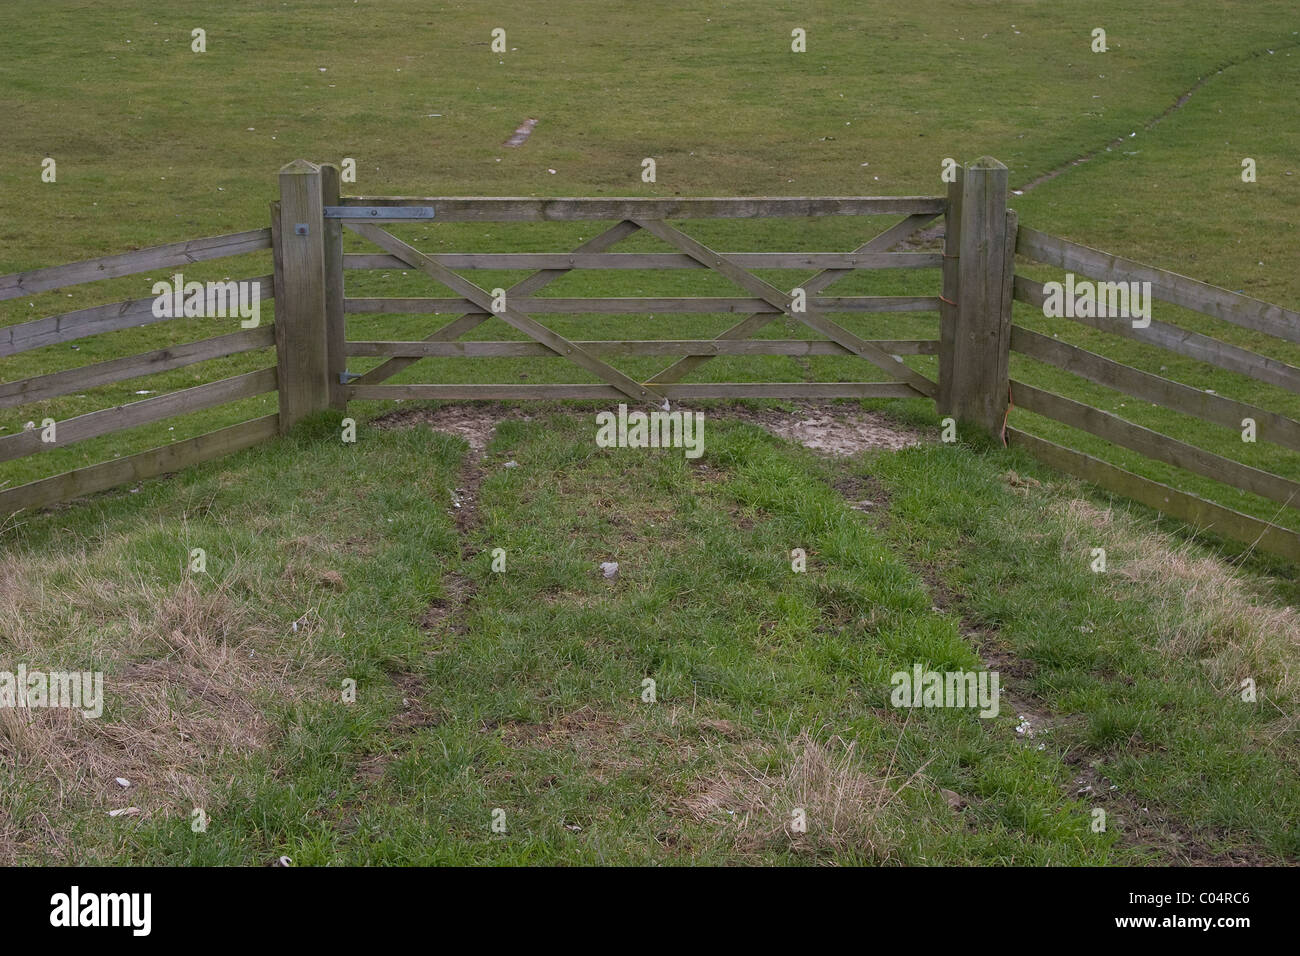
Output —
(1237, 309)
(655, 260)
(527, 209)
(976, 331)
(1168, 286)
(1203, 348)
(116, 316)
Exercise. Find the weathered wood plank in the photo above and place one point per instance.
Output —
(511, 314)
(674, 391)
(530, 209)
(335, 321)
(146, 464)
(1168, 286)
(130, 263)
(1191, 344)
(301, 342)
(1197, 512)
(85, 377)
(1156, 389)
(656, 260)
(95, 320)
(626, 305)
(467, 321)
(634, 347)
(106, 420)
(973, 357)
(698, 390)
(1152, 444)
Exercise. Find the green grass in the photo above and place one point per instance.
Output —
(523, 693)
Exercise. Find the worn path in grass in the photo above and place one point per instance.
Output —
(522, 696)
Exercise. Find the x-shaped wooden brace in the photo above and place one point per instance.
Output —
(513, 317)
(748, 326)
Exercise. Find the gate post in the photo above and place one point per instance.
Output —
(298, 249)
(979, 263)
(335, 334)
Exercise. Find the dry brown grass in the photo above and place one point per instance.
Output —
(189, 672)
(845, 808)
(1206, 610)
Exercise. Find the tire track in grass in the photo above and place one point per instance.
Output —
(444, 618)
(1144, 827)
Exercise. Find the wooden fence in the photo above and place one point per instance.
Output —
(1207, 406)
(974, 303)
(132, 313)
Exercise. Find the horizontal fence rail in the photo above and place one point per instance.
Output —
(1203, 348)
(1167, 286)
(527, 209)
(1154, 445)
(83, 323)
(1156, 389)
(1240, 310)
(181, 402)
(132, 263)
(656, 260)
(555, 305)
(54, 384)
(636, 347)
(677, 391)
(1193, 510)
(115, 316)
(146, 464)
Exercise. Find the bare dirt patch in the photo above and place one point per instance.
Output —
(863, 493)
(832, 428)
(838, 430)
(473, 421)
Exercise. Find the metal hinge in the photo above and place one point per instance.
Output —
(345, 377)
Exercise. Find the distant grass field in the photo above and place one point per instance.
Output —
(773, 687)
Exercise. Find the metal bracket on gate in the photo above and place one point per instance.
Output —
(379, 213)
(345, 377)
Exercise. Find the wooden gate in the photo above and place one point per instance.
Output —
(520, 307)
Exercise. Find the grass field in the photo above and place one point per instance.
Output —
(520, 692)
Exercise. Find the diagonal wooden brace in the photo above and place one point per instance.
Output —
(819, 282)
(511, 316)
(782, 300)
(465, 323)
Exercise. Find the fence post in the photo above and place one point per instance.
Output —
(335, 335)
(298, 250)
(974, 339)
